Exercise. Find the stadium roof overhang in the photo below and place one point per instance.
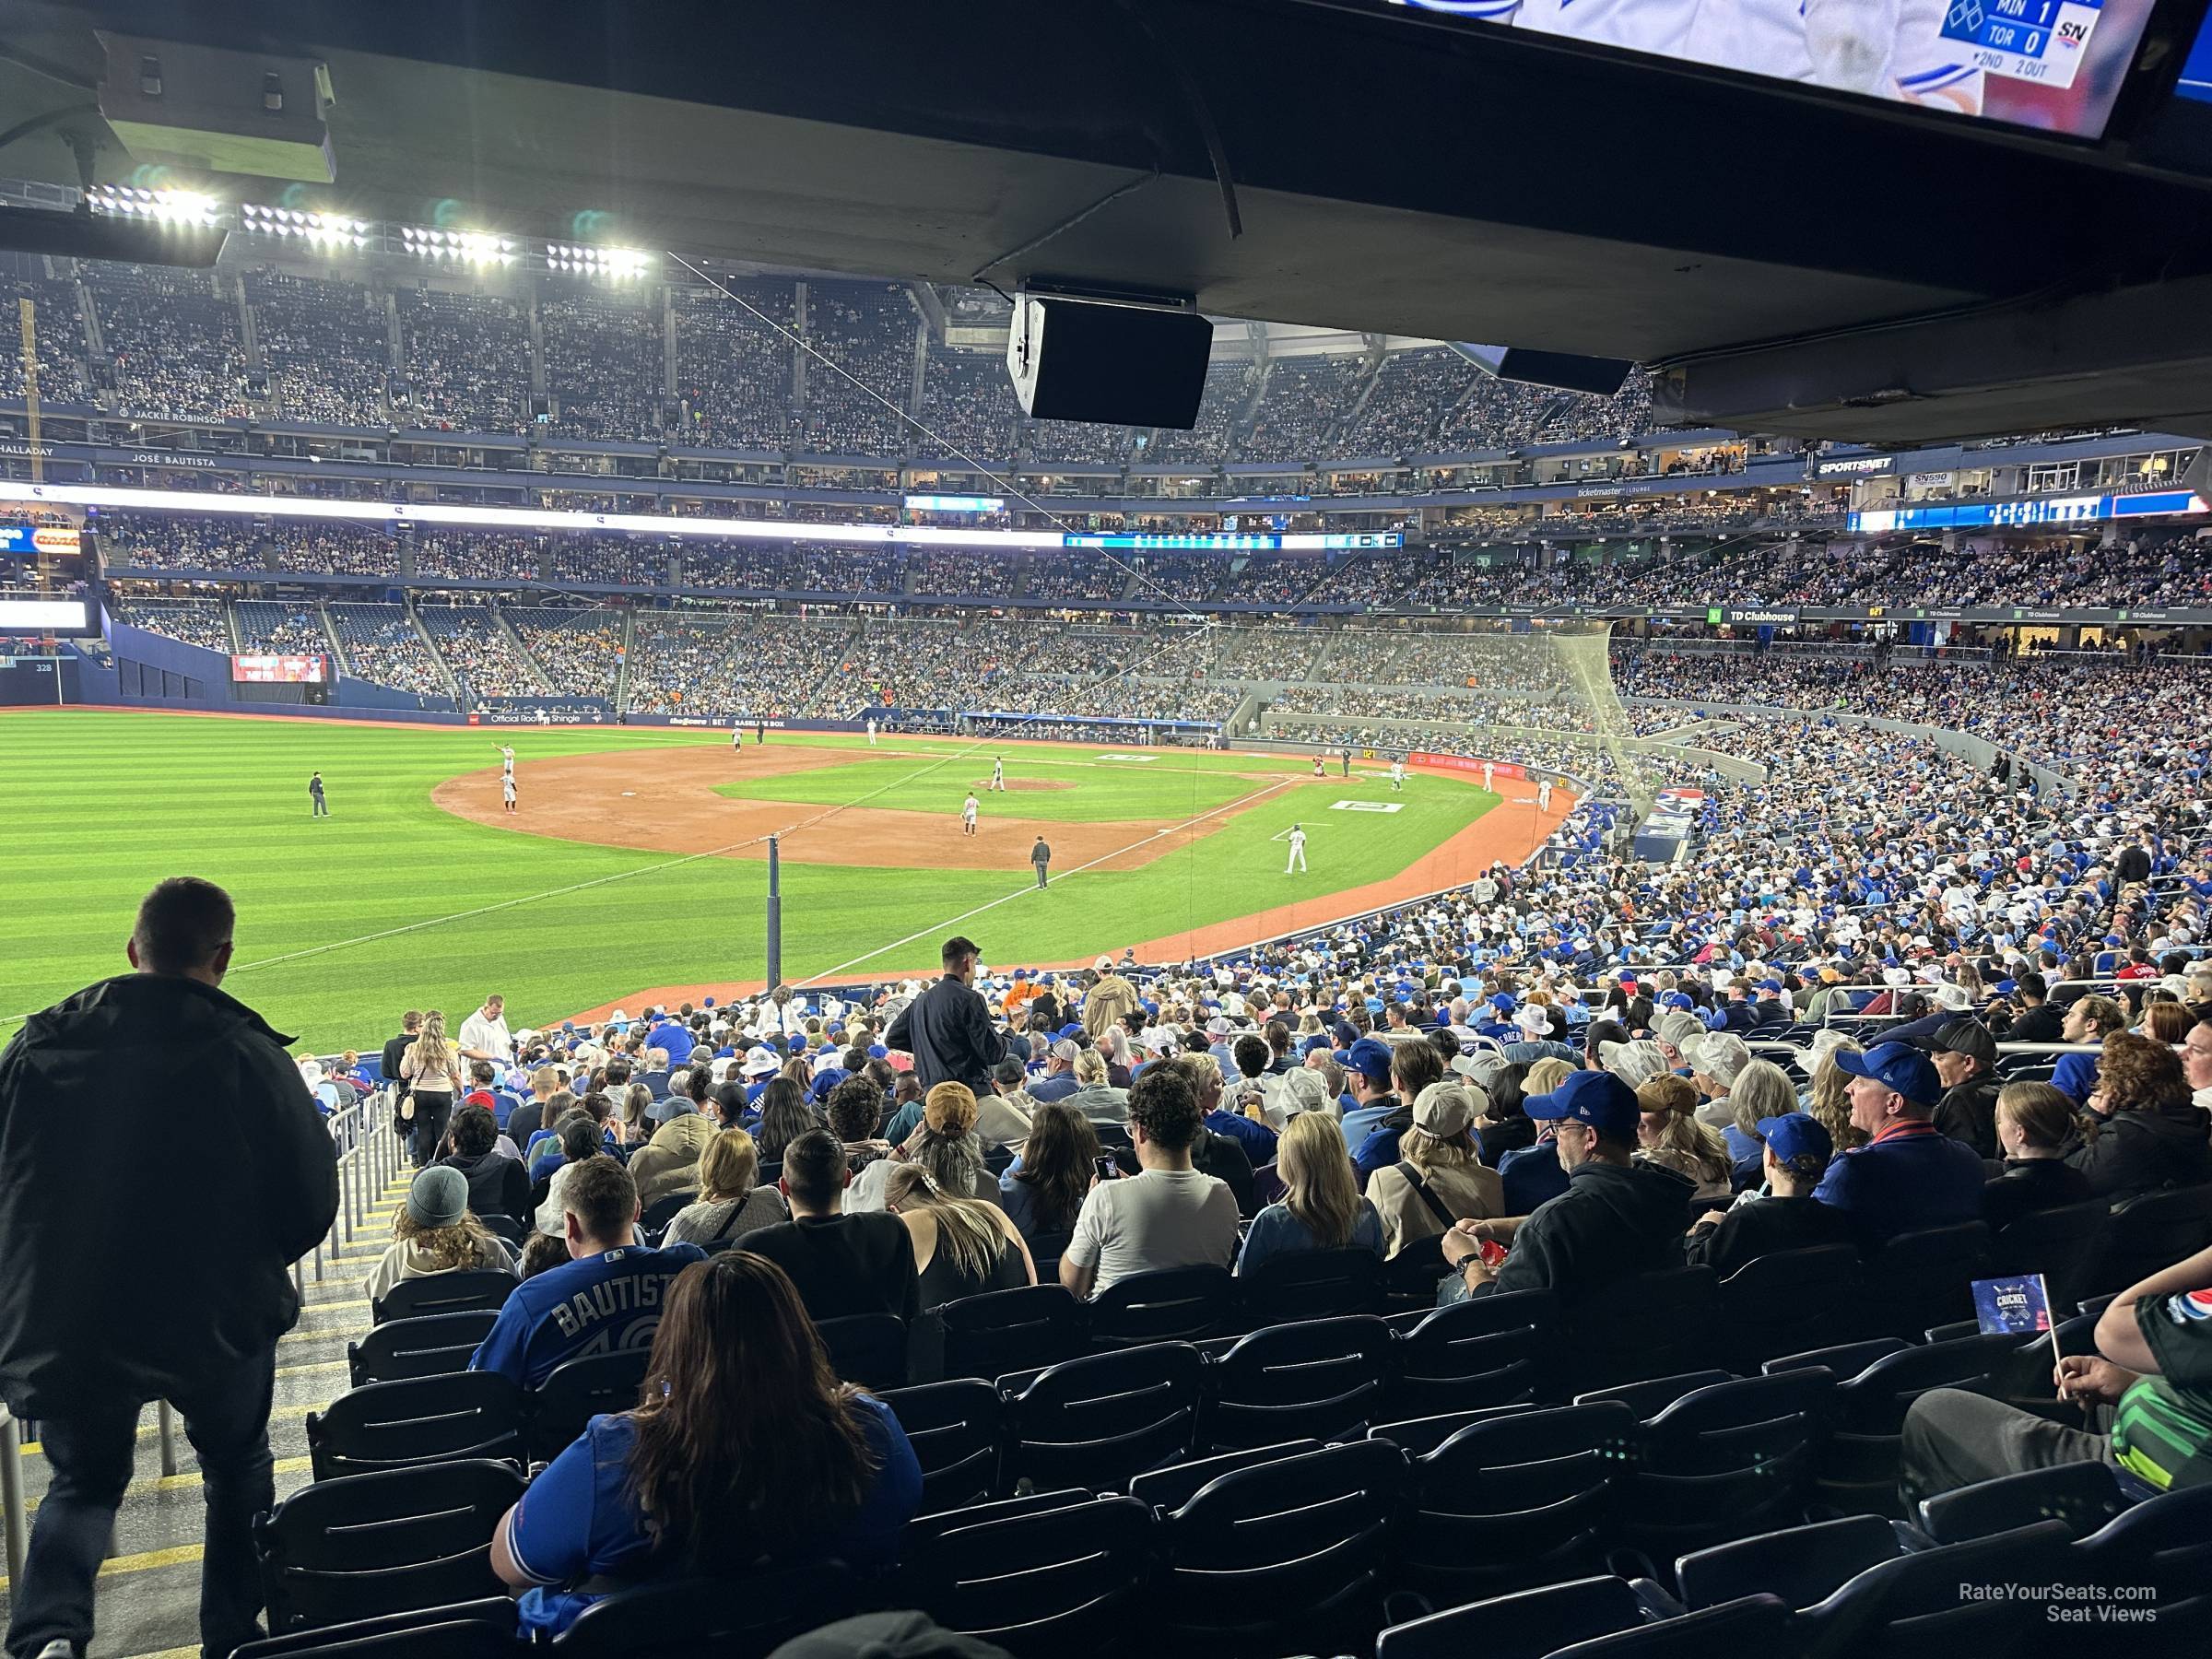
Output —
(1387, 176)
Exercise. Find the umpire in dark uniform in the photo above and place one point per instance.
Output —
(948, 1029)
(1040, 857)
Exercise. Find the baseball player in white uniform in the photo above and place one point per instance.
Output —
(999, 774)
(736, 740)
(871, 730)
(1317, 767)
(1543, 795)
(1297, 851)
(1397, 774)
(1490, 776)
(507, 789)
(968, 812)
(507, 760)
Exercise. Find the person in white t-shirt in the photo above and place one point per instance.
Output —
(1297, 851)
(484, 1034)
(1166, 1216)
(967, 811)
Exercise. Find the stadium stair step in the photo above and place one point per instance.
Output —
(148, 1605)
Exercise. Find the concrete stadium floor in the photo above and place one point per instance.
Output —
(149, 1590)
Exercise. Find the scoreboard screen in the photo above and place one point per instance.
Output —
(263, 670)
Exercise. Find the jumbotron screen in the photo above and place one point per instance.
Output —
(265, 670)
(2053, 65)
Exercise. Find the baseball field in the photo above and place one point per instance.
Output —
(635, 862)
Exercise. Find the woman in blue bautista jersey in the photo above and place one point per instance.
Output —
(745, 1448)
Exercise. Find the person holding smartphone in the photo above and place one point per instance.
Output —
(1168, 1215)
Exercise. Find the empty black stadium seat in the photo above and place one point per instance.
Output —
(1410, 1277)
(1310, 1284)
(2063, 1244)
(1319, 1379)
(662, 1211)
(472, 1290)
(577, 1391)
(368, 1545)
(485, 1628)
(1001, 1332)
(1523, 1497)
(1288, 1549)
(1923, 1278)
(421, 1420)
(2158, 1554)
(2150, 1233)
(1178, 1304)
(1790, 1301)
(515, 1232)
(1858, 1462)
(1178, 1483)
(1096, 1421)
(867, 1349)
(1527, 1624)
(428, 1347)
(954, 1427)
(1488, 1350)
(1419, 1436)
(1052, 1580)
(1651, 1325)
(1920, 1605)
(746, 1613)
(1754, 1624)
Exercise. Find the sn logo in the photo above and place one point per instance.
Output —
(2073, 33)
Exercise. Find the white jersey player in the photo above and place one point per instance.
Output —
(736, 739)
(1317, 767)
(968, 812)
(1397, 774)
(871, 730)
(507, 790)
(1297, 851)
(999, 774)
(506, 760)
(1543, 795)
(1490, 774)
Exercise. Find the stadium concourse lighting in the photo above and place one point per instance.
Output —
(167, 207)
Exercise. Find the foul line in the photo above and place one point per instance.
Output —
(1018, 893)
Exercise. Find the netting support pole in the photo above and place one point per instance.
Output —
(775, 915)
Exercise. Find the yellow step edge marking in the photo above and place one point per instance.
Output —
(185, 1482)
(146, 1562)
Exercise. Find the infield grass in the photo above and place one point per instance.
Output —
(98, 806)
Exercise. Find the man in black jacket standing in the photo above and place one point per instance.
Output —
(948, 1029)
(92, 1326)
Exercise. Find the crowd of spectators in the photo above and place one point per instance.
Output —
(580, 652)
(1220, 407)
(383, 646)
(801, 567)
(194, 621)
(478, 556)
(59, 340)
(326, 346)
(739, 664)
(1079, 575)
(484, 661)
(967, 407)
(732, 372)
(169, 541)
(963, 575)
(333, 549)
(281, 627)
(466, 359)
(1300, 408)
(175, 342)
(614, 560)
(869, 330)
(606, 365)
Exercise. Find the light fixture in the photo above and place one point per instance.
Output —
(164, 207)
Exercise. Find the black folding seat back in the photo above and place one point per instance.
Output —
(1655, 1324)
(1516, 1500)
(476, 1291)
(2152, 1232)
(683, 1617)
(2086, 1495)
(2164, 1542)
(953, 1427)
(1756, 1624)
(1177, 1304)
(484, 1629)
(1055, 1582)
(1844, 1361)
(1178, 1483)
(1001, 1332)
(1310, 1284)
(1097, 1421)
(578, 1390)
(1920, 1605)
(427, 1346)
(1647, 1399)
(1416, 1437)
(1923, 1278)
(1489, 1350)
(662, 1211)
(1321, 1379)
(2063, 1244)
(1527, 1624)
(1266, 1553)
(1723, 1461)
(1789, 1301)
(368, 1545)
(1800, 1564)
(420, 1420)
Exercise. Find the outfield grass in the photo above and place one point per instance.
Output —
(100, 804)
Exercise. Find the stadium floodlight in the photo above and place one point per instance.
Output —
(187, 207)
(583, 259)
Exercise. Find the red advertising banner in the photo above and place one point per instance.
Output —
(280, 670)
(1466, 763)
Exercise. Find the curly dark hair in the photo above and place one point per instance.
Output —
(2134, 1073)
(1163, 1104)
